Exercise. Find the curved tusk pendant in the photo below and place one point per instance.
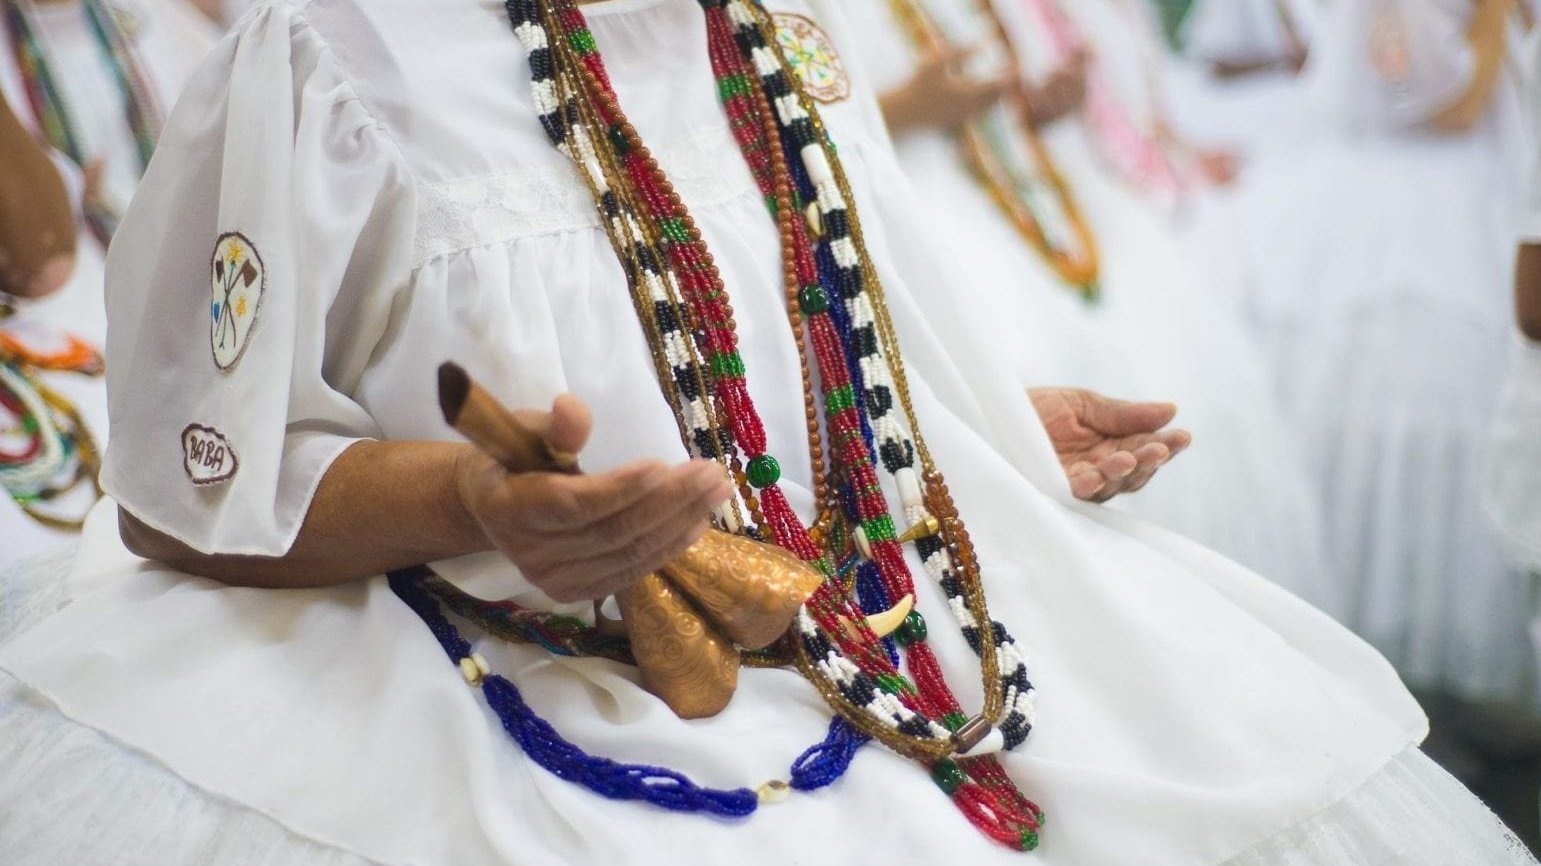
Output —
(886, 622)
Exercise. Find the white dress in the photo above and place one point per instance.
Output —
(1384, 260)
(405, 207)
(1244, 113)
(169, 38)
(1154, 335)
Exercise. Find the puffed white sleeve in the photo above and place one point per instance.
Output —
(247, 287)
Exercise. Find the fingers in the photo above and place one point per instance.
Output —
(1125, 470)
(671, 507)
(612, 572)
(578, 537)
(565, 427)
(1119, 418)
(562, 504)
(571, 423)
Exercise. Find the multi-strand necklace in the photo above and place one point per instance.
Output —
(891, 690)
(52, 110)
(45, 449)
(1006, 155)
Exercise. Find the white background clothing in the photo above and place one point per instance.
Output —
(1156, 334)
(1250, 111)
(407, 208)
(1388, 325)
(1513, 492)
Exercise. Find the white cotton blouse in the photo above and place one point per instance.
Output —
(383, 161)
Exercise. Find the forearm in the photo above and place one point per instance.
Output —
(37, 224)
(381, 506)
(1527, 291)
(1487, 36)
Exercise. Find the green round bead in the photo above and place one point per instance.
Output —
(948, 776)
(912, 629)
(1027, 840)
(813, 300)
(764, 471)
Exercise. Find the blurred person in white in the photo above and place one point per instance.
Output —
(1078, 295)
(363, 189)
(1382, 262)
(1513, 491)
(91, 80)
(1245, 57)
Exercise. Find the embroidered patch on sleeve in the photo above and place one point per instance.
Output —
(812, 57)
(207, 456)
(237, 282)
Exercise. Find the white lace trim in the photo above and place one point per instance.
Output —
(469, 212)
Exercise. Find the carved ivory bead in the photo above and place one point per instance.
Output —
(908, 482)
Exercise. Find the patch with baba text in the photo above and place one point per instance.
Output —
(207, 455)
(812, 57)
(237, 282)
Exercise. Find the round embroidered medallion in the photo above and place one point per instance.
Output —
(812, 56)
(1389, 50)
(237, 281)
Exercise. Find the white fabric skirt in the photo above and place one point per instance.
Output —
(71, 795)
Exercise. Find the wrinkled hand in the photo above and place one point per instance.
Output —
(1107, 447)
(580, 537)
(941, 96)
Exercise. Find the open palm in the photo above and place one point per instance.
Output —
(1106, 446)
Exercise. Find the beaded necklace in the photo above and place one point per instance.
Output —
(58, 454)
(52, 110)
(836, 300)
(1009, 159)
(1142, 156)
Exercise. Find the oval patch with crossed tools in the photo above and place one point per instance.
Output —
(237, 283)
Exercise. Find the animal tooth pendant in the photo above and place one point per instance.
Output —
(883, 623)
(683, 660)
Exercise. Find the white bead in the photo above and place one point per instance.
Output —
(469, 670)
(992, 743)
(908, 482)
(481, 664)
(817, 164)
